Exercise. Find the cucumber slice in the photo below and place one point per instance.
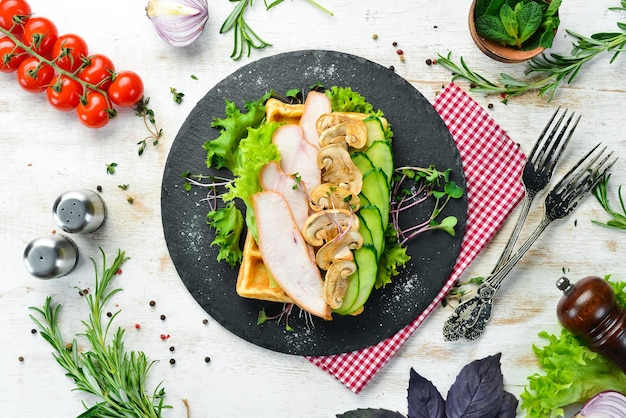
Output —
(369, 215)
(376, 191)
(367, 271)
(362, 162)
(381, 155)
(375, 130)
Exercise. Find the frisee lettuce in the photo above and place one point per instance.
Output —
(573, 373)
(228, 224)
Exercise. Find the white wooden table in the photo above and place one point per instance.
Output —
(46, 153)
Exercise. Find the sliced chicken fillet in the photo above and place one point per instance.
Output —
(315, 105)
(273, 178)
(286, 254)
(297, 156)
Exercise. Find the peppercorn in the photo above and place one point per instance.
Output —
(207, 359)
(152, 303)
(392, 68)
(137, 326)
(490, 105)
(99, 188)
(399, 52)
(172, 361)
(162, 317)
(394, 43)
(109, 314)
(172, 348)
(429, 61)
(375, 36)
(33, 331)
(130, 200)
(205, 321)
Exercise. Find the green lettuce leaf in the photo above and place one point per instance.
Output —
(254, 152)
(572, 372)
(228, 224)
(222, 151)
(393, 257)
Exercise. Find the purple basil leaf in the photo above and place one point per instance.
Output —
(425, 401)
(508, 409)
(477, 391)
(370, 413)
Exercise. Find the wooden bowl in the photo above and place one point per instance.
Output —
(495, 50)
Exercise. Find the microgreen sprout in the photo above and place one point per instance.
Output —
(463, 289)
(415, 185)
(111, 168)
(214, 185)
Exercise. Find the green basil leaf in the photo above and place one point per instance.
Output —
(509, 20)
(529, 19)
(491, 27)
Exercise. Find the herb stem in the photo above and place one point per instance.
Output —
(554, 68)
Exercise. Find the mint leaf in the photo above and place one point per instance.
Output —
(552, 9)
(491, 27)
(493, 9)
(509, 20)
(529, 19)
(547, 38)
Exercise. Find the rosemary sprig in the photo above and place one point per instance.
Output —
(244, 37)
(553, 68)
(618, 220)
(117, 378)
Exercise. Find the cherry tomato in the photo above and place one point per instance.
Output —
(68, 51)
(126, 89)
(10, 8)
(11, 56)
(41, 33)
(33, 75)
(64, 93)
(93, 112)
(98, 72)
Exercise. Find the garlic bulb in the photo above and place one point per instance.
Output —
(178, 22)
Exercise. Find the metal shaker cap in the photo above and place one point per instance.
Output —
(79, 211)
(51, 256)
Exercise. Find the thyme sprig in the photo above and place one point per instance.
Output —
(143, 111)
(117, 378)
(618, 220)
(554, 69)
(245, 39)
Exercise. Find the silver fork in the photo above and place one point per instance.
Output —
(538, 171)
(470, 317)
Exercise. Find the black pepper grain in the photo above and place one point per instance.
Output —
(205, 321)
(172, 348)
(33, 331)
(392, 68)
(162, 317)
(99, 188)
(20, 358)
(152, 303)
(109, 314)
(172, 361)
(429, 61)
(207, 359)
(490, 105)
(394, 43)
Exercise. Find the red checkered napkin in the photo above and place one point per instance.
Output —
(492, 163)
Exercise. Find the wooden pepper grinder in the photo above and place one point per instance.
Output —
(589, 310)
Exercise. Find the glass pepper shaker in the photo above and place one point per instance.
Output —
(589, 310)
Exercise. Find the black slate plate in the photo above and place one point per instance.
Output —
(421, 139)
